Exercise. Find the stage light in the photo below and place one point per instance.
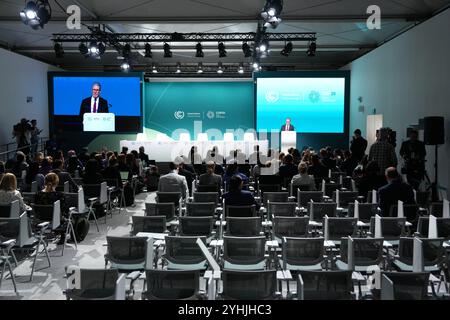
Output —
(263, 46)
(222, 50)
(154, 68)
(36, 13)
(247, 50)
(200, 68)
(199, 49)
(178, 68)
(125, 66)
(287, 49)
(94, 50)
(59, 51)
(311, 52)
(167, 51)
(220, 68)
(148, 50)
(255, 65)
(271, 11)
(241, 68)
(84, 50)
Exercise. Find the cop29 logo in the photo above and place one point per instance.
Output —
(178, 114)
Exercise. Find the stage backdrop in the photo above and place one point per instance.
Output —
(198, 107)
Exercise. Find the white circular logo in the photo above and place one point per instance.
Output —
(210, 114)
(272, 96)
(178, 114)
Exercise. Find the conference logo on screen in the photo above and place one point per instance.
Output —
(314, 96)
(210, 114)
(272, 96)
(178, 114)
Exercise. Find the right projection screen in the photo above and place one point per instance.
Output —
(314, 105)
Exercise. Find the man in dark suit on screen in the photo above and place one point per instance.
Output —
(95, 103)
(287, 126)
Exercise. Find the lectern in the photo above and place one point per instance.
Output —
(99, 122)
(288, 140)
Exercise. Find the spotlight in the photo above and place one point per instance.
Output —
(167, 52)
(178, 68)
(241, 68)
(126, 51)
(247, 50)
(200, 68)
(220, 68)
(287, 49)
(83, 49)
(148, 50)
(255, 65)
(36, 13)
(263, 47)
(154, 68)
(125, 66)
(94, 50)
(199, 48)
(311, 52)
(59, 51)
(222, 51)
(271, 11)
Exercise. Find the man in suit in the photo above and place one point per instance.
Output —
(358, 145)
(287, 126)
(143, 156)
(238, 197)
(95, 103)
(173, 182)
(395, 190)
(210, 178)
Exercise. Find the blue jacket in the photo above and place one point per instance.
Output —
(240, 198)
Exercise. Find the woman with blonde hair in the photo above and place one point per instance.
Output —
(8, 192)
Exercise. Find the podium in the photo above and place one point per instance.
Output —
(104, 122)
(288, 140)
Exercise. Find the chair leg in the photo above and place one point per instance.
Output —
(14, 257)
(91, 211)
(3, 271)
(12, 274)
(72, 232)
(34, 260)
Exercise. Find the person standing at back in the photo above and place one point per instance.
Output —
(358, 145)
(383, 152)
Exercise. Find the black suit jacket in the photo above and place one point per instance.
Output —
(85, 107)
(291, 128)
(392, 192)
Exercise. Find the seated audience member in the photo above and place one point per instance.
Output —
(338, 157)
(173, 182)
(39, 157)
(84, 156)
(112, 171)
(152, 178)
(137, 163)
(124, 150)
(349, 163)
(185, 173)
(33, 175)
(326, 160)
(131, 163)
(92, 173)
(297, 156)
(46, 166)
(210, 178)
(64, 176)
(8, 192)
(238, 197)
(74, 166)
(288, 169)
(20, 165)
(317, 169)
(370, 179)
(232, 170)
(303, 179)
(395, 190)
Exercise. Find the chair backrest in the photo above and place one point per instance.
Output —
(129, 253)
(337, 228)
(196, 226)
(160, 209)
(406, 285)
(240, 211)
(244, 226)
(304, 197)
(166, 197)
(94, 284)
(437, 209)
(295, 188)
(61, 187)
(275, 197)
(391, 228)
(208, 188)
(10, 210)
(302, 252)
(443, 228)
(50, 213)
(284, 209)
(345, 198)
(366, 251)
(75, 200)
(290, 227)
(34, 186)
(317, 211)
(348, 183)
(99, 191)
(172, 284)
(200, 209)
(423, 226)
(206, 197)
(331, 187)
(366, 211)
(28, 197)
(423, 198)
(153, 224)
(433, 250)
(249, 285)
(411, 212)
(16, 228)
(246, 251)
(184, 250)
(326, 285)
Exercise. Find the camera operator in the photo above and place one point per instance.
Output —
(22, 133)
(413, 153)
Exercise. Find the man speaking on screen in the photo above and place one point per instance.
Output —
(95, 103)
(287, 126)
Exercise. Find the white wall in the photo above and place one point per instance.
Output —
(406, 79)
(22, 77)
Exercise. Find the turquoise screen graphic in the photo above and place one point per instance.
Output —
(314, 105)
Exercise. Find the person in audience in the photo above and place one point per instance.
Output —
(326, 160)
(338, 156)
(255, 157)
(100, 161)
(74, 166)
(20, 165)
(84, 156)
(238, 197)
(92, 173)
(306, 156)
(58, 155)
(173, 182)
(131, 163)
(317, 169)
(395, 190)
(232, 170)
(358, 145)
(383, 152)
(210, 178)
(137, 162)
(194, 157)
(46, 165)
(124, 150)
(144, 157)
(112, 171)
(297, 156)
(288, 169)
(9, 193)
(371, 179)
(303, 179)
(152, 178)
(63, 176)
(180, 161)
(39, 157)
(215, 156)
(33, 175)
(349, 163)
